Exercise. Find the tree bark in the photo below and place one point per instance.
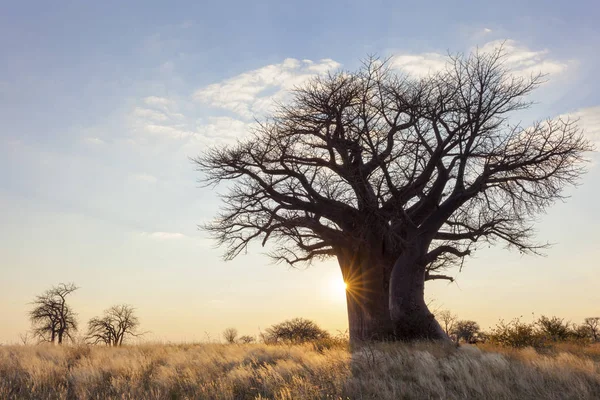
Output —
(366, 297)
(410, 315)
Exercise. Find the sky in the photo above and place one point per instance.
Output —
(102, 104)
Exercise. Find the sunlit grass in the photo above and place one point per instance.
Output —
(214, 371)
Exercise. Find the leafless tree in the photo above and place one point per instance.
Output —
(52, 318)
(447, 320)
(114, 326)
(24, 338)
(593, 326)
(246, 339)
(230, 334)
(396, 177)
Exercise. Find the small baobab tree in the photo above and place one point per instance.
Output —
(52, 318)
(114, 326)
(398, 178)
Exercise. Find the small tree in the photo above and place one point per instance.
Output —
(52, 319)
(553, 328)
(447, 319)
(111, 329)
(297, 330)
(247, 339)
(466, 330)
(593, 325)
(230, 334)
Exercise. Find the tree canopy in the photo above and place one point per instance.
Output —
(397, 177)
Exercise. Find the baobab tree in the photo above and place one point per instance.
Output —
(52, 318)
(114, 326)
(397, 178)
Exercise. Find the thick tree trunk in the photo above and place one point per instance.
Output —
(410, 315)
(60, 337)
(366, 298)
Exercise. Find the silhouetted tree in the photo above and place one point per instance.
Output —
(230, 334)
(246, 339)
(52, 318)
(396, 177)
(297, 330)
(111, 329)
(447, 319)
(466, 330)
(593, 325)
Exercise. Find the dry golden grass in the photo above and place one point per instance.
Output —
(212, 371)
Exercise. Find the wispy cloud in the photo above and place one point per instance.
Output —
(164, 235)
(93, 141)
(254, 92)
(589, 121)
(521, 60)
(147, 178)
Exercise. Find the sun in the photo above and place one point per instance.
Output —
(338, 288)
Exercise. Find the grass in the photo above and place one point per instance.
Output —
(383, 371)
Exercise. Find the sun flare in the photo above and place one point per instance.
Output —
(338, 287)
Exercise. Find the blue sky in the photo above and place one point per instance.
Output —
(102, 104)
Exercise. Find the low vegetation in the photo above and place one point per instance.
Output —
(259, 371)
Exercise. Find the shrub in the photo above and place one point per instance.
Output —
(553, 328)
(246, 339)
(297, 330)
(515, 334)
(230, 334)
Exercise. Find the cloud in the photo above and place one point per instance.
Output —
(589, 121)
(145, 178)
(254, 92)
(521, 60)
(164, 235)
(487, 30)
(93, 140)
(170, 131)
(419, 64)
(150, 114)
(524, 61)
(158, 102)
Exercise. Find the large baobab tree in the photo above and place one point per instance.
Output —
(52, 318)
(111, 329)
(396, 177)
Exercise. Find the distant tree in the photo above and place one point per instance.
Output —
(553, 328)
(593, 325)
(447, 319)
(515, 334)
(246, 339)
(398, 178)
(51, 317)
(114, 326)
(297, 330)
(230, 335)
(466, 330)
(24, 338)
